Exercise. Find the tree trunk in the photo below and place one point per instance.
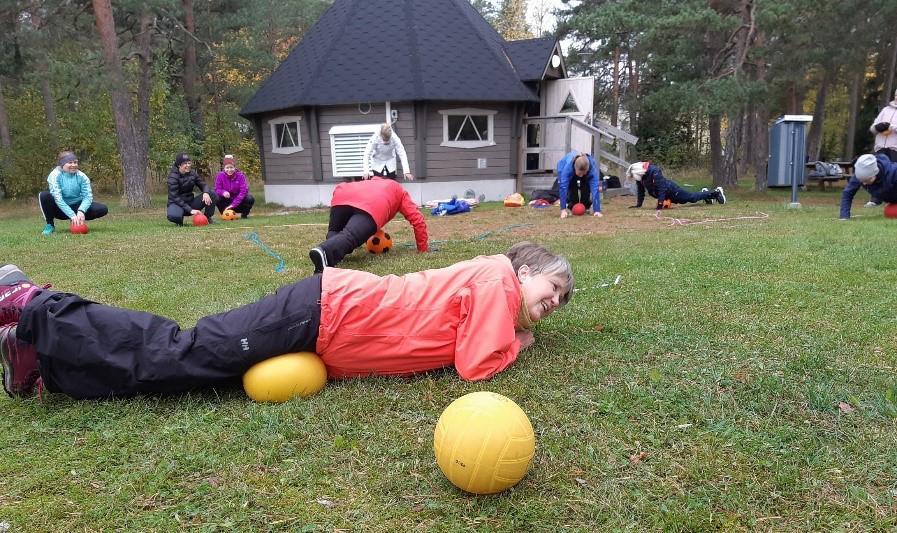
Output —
(856, 84)
(889, 77)
(746, 158)
(190, 69)
(46, 90)
(144, 86)
(759, 134)
(730, 154)
(5, 139)
(126, 138)
(814, 138)
(716, 148)
(614, 112)
(792, 99)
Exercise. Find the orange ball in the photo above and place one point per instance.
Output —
(200, 219)
(379, 242)
(229, 214)
(579, 209)
(667, 203)
(78, 229)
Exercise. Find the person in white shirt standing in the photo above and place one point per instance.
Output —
(885, 129)
(380, 154)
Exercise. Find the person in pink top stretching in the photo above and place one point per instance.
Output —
(357, 210)
(475, 315)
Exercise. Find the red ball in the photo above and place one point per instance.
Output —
(891, 210)
(200, 219)
(579, 210)
(78, 229)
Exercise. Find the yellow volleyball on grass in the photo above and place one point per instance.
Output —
(280, 378)
(484, 443)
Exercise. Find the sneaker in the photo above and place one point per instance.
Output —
(14, 297)
(21, 377)
(720, 196)
(709, 199)
(211, 220)
(48, 229)
(871, 204)
(318, 258)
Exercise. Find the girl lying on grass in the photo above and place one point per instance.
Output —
(475, 315)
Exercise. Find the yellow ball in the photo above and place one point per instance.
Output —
(484, 443)
(280, 378)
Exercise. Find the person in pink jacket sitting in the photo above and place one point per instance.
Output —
(475, 315)
(233, 189)
(357, 210)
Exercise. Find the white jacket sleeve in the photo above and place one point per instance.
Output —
(400, 149)
(369, 147)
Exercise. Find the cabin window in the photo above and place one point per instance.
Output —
(468, 128)
(285, 138)
(347, 144)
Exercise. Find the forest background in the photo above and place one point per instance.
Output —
(129, 85)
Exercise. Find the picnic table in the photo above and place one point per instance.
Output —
(846, 171)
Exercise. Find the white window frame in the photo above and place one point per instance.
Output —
(467, 111)
(367, 129)
(284, 120)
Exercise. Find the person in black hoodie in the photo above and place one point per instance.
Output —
(648, 177)
(181, 202)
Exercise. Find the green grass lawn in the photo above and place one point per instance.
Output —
(700, 393)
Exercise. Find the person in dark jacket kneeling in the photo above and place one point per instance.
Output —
(181, 202)
(877, 174)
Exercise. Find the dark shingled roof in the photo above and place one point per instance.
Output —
(396, 50)
(531, 56)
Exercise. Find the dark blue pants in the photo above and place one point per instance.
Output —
(579, 192)
(349, 228)
(91, 350)
(177, 213)
(678, 195)
(243, 209)
(51, 211)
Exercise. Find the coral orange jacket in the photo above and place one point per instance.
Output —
(382, 199)
(463, 315)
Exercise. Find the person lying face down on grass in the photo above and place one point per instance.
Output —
(648, 177)
(475, 315)
(875, 173)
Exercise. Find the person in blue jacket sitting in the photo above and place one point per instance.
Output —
(70, 196)
(579, 166)
(877, 174)
(649, 177)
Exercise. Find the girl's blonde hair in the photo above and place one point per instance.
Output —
(385, 132)
(541, 261)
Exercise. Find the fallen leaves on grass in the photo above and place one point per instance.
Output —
(845, 408)
(638, 457)
(326, 503)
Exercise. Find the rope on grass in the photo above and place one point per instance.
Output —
(688, 222)
(505, 229)
(254, 239)
(479, 237)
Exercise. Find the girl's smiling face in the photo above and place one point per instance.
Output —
(541, 292)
